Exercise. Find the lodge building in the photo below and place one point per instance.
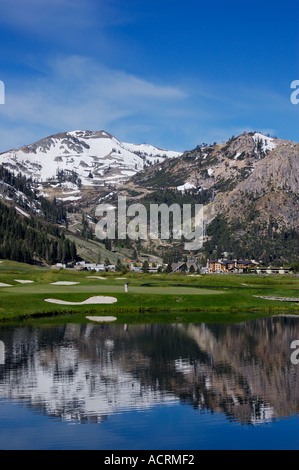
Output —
(230, 266)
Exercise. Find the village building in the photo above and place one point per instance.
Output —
(185, 266)
(86, 265)
(230, 266)
(243, 266)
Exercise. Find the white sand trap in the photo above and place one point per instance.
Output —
(120, 278)
(92, 300)
(5, 285)
(101, 319)
(23, 281)
(96, 277)
(280, 299)
(64, 283)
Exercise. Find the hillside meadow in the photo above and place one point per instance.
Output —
(150, 298)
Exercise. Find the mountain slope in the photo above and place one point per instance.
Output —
(36, 228)
(250, 190)
(249, 187)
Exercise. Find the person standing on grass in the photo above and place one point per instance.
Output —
(126, 286)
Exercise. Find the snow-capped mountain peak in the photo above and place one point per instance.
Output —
(97, 158)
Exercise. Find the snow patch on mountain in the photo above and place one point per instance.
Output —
(69, 198)
(185, 187)
(268, 143)
(22, 212)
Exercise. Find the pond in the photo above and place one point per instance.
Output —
(169, 387)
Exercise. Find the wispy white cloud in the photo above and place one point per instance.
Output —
(39, 15)
(77, 92)
(65, 21)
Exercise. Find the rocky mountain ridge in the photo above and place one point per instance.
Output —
(250, 175)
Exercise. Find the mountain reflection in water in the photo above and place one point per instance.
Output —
(86, 373)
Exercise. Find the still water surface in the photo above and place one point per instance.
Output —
(114, 387)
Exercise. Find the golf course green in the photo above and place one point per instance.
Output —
(33, 292)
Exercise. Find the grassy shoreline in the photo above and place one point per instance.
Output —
(151, 298)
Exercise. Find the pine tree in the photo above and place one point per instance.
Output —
(118, 266)
(145, 267)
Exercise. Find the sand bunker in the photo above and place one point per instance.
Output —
(101, 319)
(92, 300)
(64, 283)
(280, 299)
(5, 285)
(96, 277)
(119, 278)
(287, 315)
(21, 281)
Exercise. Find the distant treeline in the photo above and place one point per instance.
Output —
(173, 196)
(30, 239)
(12, 185)
(18, 182)
(53, 211)
(252, 241)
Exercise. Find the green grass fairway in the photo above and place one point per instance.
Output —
(92, 289)
(151, 298)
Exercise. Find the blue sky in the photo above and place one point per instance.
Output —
(170, 73)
